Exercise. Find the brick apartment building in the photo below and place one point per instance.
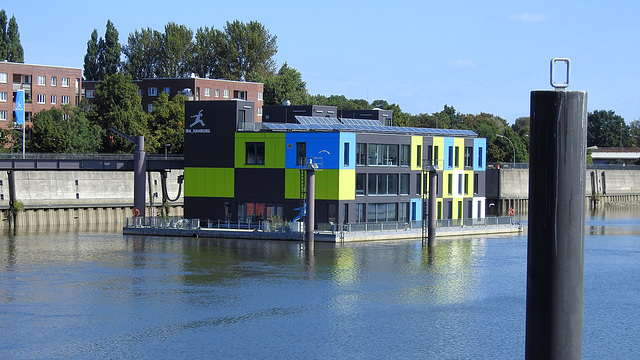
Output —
(44, 87)
(195, 89)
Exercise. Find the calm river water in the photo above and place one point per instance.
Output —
(96, 294)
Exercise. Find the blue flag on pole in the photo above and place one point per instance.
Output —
(19, 110)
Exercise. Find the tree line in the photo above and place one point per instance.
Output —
(10, 46)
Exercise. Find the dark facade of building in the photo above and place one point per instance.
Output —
(44, 87)
(385, 117)
(287, 114)
(367, 172)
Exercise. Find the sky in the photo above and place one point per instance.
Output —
(475, 56)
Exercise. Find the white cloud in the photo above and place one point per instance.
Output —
(530, 17)
(462, 64)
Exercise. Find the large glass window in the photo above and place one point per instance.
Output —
(403, 212)
(382, 212)
(360, 183)
(383, 184)
(361, 216)
(405, 155)
(468, 156)
(383, 154)
(254, 153)
(404, 184)
(361, 154)
(301, 153)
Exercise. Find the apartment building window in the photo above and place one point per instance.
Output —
(460, 184)
(42, 80)
(207, 92)
(382, 212)
(89, 94)
(150, 107)
(42, 98)
(140, 92)
(301, 153)
(475, 183)
(259, 111)
(54, 81)
(225, 93)
(419, 157)
(403, 212)
(53, 99)
(361, 180)
(167, 90)
(383, 154)
(3, 78)
(152, 91)
(242, 95)
(260, 96)
(383, 184)
(404, 184)
(466, 184)
(450, 184)
(65, 99)
(26, 79)
(450, 162)
(65, 82)
(345, 160)
(480, 157)
(418, 184)
(361, 154)
(360, 213)
(64, 117)
(217, 93)
(405, 153)
(3, 115)
(3, 96)
(456, 157)
(254, 153)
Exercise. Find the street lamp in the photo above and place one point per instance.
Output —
(513, 147)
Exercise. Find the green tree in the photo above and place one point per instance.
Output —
(3, 35)
(286, 85)
(522, 126)
(117, 104)
(249, 51)
(109, 53)
(208, 53)
(91, 67)
(634, 132)
(177, 51)
(14, 50)
(167, 123)
(64, 130)
(143, 54)
(400, 118)
(606, 129)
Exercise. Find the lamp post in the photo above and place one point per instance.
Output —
(513, 147)
(165, 150)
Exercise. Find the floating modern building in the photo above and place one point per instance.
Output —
(239, 169)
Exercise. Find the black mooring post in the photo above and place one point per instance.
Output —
(12, 196)
(555, 258)
(311, 208)
(433, 216)
(139, 179)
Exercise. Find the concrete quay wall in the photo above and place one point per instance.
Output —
(67, 197)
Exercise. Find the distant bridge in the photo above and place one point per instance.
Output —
(89, 162)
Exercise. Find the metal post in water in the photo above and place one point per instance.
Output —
(12, 196)
(555, 258)
(433, 216)
(311, 206)
(139, 179)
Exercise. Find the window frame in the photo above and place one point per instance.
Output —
(65, 82)
(254, 153)
(42, 80)
(3, 96)
(152, 91)
(4, 77)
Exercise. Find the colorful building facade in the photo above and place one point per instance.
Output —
(240, 170)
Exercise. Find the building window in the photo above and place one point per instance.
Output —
(3, 78)
(382, 212)
(65, 99)
(89, 94)
(475, 183)
(167, 90)
(418, 184)
(42, 80)
(207, 92)
(360, 213)
(54, 81)
(450, 162)
(480, 157)
(383, 154)
(419, 156)
(301, 153)
(403, 212)
(345, 160)
(3, 115)
(405, 154)
(460, 184)
(468, 156)
(217, 93)
(42, 98)
(260, 96)
(450, 184)
(225, 93)
(242, 95)
(383, 184)
(260, 111)
(456, 157)
(3, 96)
(361, 179)
(150, 107)
(65, 82)
(466, 184)
(66, 116)
(404, 184)
(436, 155)
(152, 91)
(361, 154)
(53, 99)
(254, 153)
(140, 92)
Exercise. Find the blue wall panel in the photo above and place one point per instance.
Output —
(479, 154)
